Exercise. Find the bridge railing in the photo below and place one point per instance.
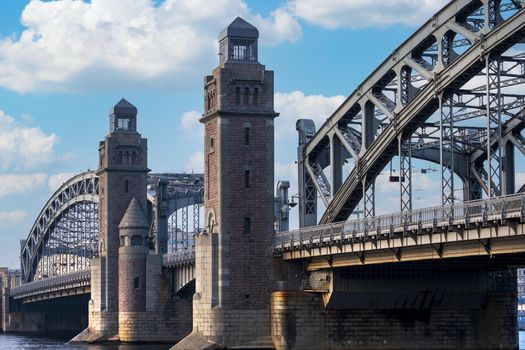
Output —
(53, 283)
(179, 257)
(427, 219)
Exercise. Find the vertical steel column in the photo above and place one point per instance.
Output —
(307, 195)
(446, 146)
(160, 216)
(185, 227)
(172, 233)
(368, 122)
(405, 173)
(508, 169)
(369, 208)
(493, 13)
(336, 161)
(196, 217)
(493, 102)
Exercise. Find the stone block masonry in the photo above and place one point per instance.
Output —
(300, 320)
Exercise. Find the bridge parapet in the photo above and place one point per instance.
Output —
(408, 228)
(58, 284)
(179, 257)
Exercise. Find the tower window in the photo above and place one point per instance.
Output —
(247, 225)
(243, 50)
(126, 186)
(125, 158)
(123, 124)
(212, 144)
(246, 136)
(246, 97)
(255, 101)
(247, 179)
(136, 282)
(238, 96)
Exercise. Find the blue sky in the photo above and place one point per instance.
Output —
(64, 63)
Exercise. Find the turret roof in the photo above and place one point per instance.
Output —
(134, 216)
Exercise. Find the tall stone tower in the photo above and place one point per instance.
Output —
(233, 256)
(122, 176)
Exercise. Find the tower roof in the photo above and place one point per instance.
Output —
(134, 216)
(239, 28)
(123, 107)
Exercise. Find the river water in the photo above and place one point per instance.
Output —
(19, 342)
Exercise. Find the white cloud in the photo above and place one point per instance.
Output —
(24, 147)
(297, 105)
(196, 163)
(9, 217)
(287, 172)
(55, 181)
(281, 27)
(334, 14)
(190, 122)
(77, 45)
(11, 184)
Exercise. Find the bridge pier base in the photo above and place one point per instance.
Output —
(306, 320)
(166, 318)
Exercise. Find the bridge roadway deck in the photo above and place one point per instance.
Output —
(79, 282)
(70, 284)
(483, 227)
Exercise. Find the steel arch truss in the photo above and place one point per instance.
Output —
(65, 233)
(449, 94)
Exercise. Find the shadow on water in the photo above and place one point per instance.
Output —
(25, 342)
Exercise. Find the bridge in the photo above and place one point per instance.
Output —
(55, 258)
(443, 276)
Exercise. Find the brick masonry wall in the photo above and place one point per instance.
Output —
(233, 268)
(114, 201)
(132, 299)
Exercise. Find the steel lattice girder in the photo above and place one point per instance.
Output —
(458, 16)
(67, 225)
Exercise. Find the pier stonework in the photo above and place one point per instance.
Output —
(231, 305)
(409, 307)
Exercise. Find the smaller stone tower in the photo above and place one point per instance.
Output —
(132, 262)
(123, 168)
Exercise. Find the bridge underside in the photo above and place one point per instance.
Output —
(63, 316)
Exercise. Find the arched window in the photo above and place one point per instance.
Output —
(126, 158)
(133, 157)
(120, 160)
(246, 97)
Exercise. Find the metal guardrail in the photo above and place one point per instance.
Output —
(419, 221)
(180, 257)
(74, 279)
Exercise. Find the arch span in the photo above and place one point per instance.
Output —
(455, 70)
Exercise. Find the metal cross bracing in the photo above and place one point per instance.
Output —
(72, 242)
(64, 237)
(180, 234)
(452, 94)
